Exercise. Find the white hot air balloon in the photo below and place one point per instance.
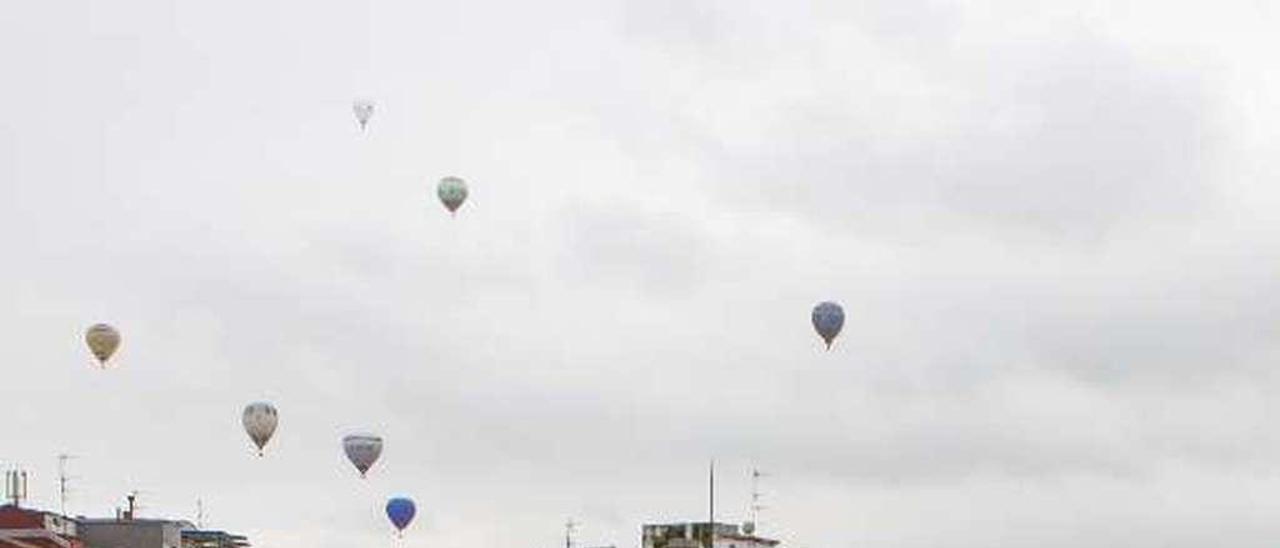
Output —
(103, 340)
(364, 111)
(362, 450)
(260, 420)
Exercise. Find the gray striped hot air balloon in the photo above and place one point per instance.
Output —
(260, 420)
(362, 450)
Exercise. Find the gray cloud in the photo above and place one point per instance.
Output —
(1050, 230)
(658, 252)
(1068, 136)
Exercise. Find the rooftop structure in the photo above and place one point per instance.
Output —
(28, 528)
(132, 533)
(700, 535)
(212, 539)
(23, 528)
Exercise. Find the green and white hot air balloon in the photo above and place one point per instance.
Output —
(452, 192)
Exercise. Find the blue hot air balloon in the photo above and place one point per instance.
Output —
(828, 318)
(400, 511)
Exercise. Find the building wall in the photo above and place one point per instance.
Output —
(131, 534)
(743, 542)
(61, 525)
(659, 535)
(694, 535)
(20, 527)
(12, 517)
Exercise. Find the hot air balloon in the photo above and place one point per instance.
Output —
(400, 511)
(828, 318)
(260, 419)
(362, 450)
(452, 192)
(363, 111)
(103, 340)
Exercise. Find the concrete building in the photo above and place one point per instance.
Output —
(153, 533)
(23, 528)
(695, 535)
(26, 528)
(212, 539)
(132, 533)
(126, 531)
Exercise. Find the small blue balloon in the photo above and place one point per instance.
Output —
(400, 511)
(828, 319)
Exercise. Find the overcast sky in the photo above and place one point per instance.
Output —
(1053, 227)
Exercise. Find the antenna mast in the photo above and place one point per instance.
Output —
(63, 480)
(569, 527)
(756, 507)
(15, 484)
(711, 510)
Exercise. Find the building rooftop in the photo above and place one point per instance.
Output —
(137, 521)
(212, 539)
(31, 528)
(677, 535)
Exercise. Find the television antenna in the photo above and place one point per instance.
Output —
(569, 527)
(63, 480)
(756, 495)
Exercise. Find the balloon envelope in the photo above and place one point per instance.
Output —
(362, 450)
(400, 511)
(828, 319)
(260, 420)
(103, 340)
(452, 192)
(363, 111)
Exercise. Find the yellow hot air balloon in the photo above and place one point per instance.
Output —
(103, 340)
